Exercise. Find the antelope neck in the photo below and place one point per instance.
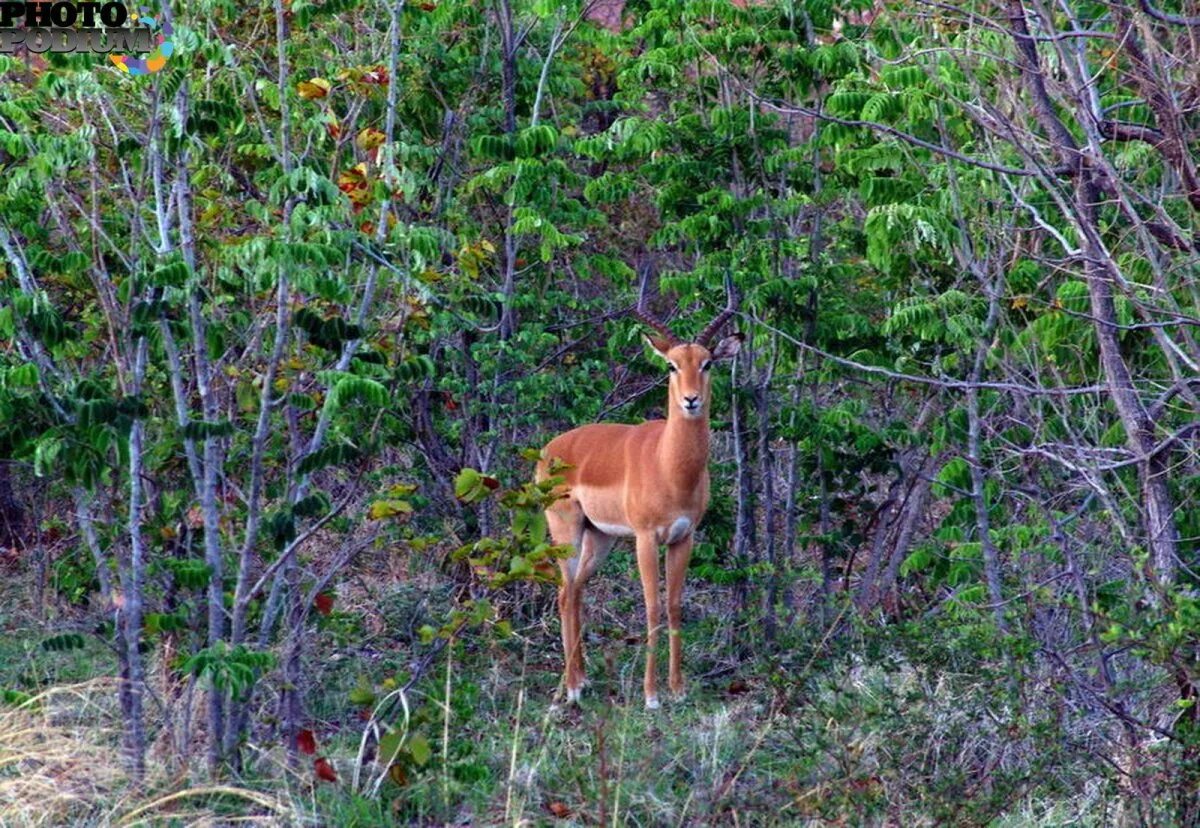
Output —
(684, 445)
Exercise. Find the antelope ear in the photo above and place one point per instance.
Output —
(728, 347)
(660, 345)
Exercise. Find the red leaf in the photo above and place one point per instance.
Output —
(324, 603)
(559, 809)
(379, 75)
(306, 742)
(491, 482)
(324, 770)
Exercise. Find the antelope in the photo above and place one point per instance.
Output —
(648, 482)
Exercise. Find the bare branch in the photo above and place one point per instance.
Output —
(640, 311)
(1165, 17)
(706, 335)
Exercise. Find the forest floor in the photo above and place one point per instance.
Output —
(823, 729)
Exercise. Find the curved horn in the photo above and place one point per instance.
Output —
(642, 314)
(721, 318)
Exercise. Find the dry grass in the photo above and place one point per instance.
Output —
(59, 756)
(60, 764)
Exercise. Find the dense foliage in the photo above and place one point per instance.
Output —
(287, 317)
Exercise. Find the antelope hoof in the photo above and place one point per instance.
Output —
(652, 703)
(573, 694)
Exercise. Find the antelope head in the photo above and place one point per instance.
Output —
(689, 363)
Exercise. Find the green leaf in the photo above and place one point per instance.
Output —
(63, 642)
(419, 747)
(357, 389)
(200, 430)
(390, 746)
(362, 694)
(338, 454)
(14, 697)
(467, 482)
(314, 504)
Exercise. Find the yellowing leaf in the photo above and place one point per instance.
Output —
(353, 182)
(362, 694)
(369, 139)
(354, 178)
(315, 88)
(381, 509)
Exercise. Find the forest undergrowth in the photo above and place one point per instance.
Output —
(842, 723)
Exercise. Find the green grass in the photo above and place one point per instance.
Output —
(815, 734)
(862, 727)
(25, 662)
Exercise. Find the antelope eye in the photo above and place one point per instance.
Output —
(671, 367)
(707, 364)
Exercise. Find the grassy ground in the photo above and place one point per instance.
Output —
(854, 729)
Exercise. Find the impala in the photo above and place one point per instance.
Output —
(648, 482)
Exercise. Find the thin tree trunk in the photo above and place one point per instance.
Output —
(767, 481)
(508, 94)
(12, 516)
(866, 595)
(913, 510)
(1162, 535)
(824, 527)
(245, 577)
(87, 526)
(789, 508)
(292, 712)
(991, 555)
(213, 456)
(743, 538)
(132, 584)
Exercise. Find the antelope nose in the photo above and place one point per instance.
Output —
(692, 402)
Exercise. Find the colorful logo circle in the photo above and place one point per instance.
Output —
(158, 58)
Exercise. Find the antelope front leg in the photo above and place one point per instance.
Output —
(647, 558)
(678, 555)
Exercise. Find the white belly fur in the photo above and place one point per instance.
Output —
(672, 533)
(615, 529)
(668, 533)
